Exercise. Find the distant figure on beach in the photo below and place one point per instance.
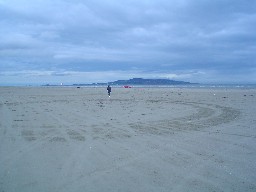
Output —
(109, 90)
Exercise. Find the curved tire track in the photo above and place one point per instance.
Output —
(208, 115)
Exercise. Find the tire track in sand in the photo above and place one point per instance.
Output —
(208, 115)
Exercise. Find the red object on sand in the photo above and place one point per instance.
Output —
(127, 86)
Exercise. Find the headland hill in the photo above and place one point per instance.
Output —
(140, 82)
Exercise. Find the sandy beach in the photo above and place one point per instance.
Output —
(63, 139)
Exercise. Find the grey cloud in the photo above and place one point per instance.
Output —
(97, 35)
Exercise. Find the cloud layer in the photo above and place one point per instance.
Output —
(199, 41)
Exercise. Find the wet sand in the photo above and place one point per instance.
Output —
(140, 139)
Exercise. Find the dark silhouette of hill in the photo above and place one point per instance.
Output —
(141, 81)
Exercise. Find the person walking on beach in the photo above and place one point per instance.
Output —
(109, 90)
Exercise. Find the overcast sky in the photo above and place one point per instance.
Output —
(84, 41)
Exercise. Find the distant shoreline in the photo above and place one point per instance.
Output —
(199, 86)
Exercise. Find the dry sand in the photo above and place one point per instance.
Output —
(141, 139)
